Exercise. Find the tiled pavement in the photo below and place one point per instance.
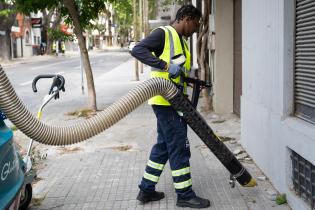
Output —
(107, 178)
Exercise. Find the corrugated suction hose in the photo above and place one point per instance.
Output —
(11, 105)
(15, 110)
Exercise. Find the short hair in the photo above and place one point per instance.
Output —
(188, 11)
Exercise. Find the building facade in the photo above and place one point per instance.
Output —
(25, 39)
(263, 60)
(278, 99)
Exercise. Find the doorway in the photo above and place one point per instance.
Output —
(237, 54)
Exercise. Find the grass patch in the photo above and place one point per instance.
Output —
(122, 148)
(38, 201)
(66, 150)
(218, 121)
(281, 199)
(87, 113)
(14, 128)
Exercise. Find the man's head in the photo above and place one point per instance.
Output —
(188, 17)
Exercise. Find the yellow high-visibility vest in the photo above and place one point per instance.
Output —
(172, 47)
(63, 46)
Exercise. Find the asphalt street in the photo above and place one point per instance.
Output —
(22, 74)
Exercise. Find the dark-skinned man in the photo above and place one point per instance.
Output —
(159, 51)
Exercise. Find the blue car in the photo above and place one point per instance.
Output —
(12, 170)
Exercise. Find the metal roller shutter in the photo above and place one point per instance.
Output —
(305, 60)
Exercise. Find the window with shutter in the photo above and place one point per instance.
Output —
(305, 60)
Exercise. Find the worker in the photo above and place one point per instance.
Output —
(63, 47)
(157, 51)
(54, 47)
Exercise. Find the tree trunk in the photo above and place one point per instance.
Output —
(146, 17)
(5, 36)
(53, 17)
(205, 70)
(202, 48)
(135, 35)
(70, 5)
(5, 43)
(110, 34)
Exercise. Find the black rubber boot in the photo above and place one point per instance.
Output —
(196, 202)
(145, 197)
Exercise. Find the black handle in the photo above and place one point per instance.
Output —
(58, 81)
(197, 83)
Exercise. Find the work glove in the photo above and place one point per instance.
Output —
(174, 70)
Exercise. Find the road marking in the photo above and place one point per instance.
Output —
(26, 83)
(91, 63)
(52, 64)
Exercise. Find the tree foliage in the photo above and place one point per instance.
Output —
(4, 13)
(166, 3)
(28, 6)
(123, 12)
(87, 10)
(7, 13)
(123, 17)
(152, 8)
(57, 34)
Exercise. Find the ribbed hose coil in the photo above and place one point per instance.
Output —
(63, 135)
(15, 110)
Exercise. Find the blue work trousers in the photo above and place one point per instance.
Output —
(173, 145)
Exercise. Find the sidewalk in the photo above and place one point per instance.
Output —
(35, 58)
(68, 54)
(103, 172)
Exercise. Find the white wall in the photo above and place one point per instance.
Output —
(267, 127)
(19, 47)
(27, 49)
(223, 70)
(193, 48)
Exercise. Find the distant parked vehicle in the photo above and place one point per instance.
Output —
(131, 46)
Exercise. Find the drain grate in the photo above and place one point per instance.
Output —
(303, 177)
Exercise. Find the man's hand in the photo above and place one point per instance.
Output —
(174, 70)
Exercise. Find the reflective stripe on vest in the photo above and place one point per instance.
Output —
(155, 165)
(150, 177)
(172, 46)
(182, 185)
(181, 172)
